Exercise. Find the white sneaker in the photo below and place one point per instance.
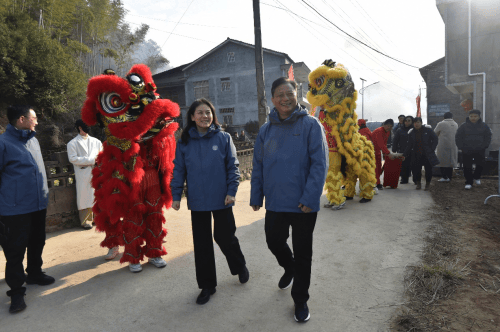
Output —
(338, 207)
(135, 267)
(112, 253)
(444, 180)
(468, 186)
(328, 205)
(477, 182)
(157, 261)
(376, 190)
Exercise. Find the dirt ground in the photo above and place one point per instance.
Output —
(457, 285)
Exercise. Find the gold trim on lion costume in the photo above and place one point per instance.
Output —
(331, 88)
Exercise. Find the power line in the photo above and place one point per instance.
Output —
(359, 41)
(175, 34)
(178, 23)
(199, 25)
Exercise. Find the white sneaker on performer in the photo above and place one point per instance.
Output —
(376, 190)
(444, 180)
(157, 261)
(468, 186)
(477, 182)
(135, 267)
(112, 253)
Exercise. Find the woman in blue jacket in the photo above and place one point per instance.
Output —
(206, 159)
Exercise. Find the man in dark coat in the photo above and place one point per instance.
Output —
(422, 142)
(473, 138)
(399, 146)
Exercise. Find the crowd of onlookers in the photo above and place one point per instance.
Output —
(421, 146)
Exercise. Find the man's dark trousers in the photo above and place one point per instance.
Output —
(469, 158)
(224, 236)
(24, 231)
(277, 227)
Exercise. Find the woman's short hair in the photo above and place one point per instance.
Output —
(280, 81)
(417, 119)
(478, 112)
(190, 123)
(448, 115)
(14, 112)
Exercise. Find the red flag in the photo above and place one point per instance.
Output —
(419, 113)
(290, 73)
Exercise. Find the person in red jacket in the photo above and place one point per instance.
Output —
(364, 130)
(379, 140)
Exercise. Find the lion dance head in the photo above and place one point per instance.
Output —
(331, 88)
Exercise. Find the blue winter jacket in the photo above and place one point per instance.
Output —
(290, 163)
(23, 182)
(209, 165)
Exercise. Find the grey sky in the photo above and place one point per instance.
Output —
(411, 31)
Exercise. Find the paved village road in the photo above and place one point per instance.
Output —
(358, 262)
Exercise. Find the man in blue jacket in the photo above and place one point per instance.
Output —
(23, 203)
(289, 169)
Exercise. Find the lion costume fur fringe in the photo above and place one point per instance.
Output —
(332, 89)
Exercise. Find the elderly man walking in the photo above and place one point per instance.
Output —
(82, 153)
(447, 151)
(23, 204)
(289, 169)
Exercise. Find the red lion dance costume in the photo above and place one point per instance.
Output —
(133, 172)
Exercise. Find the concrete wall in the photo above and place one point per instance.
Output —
(241, 72)
(485, 56)
(438, 94)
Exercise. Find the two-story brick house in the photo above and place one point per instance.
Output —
(226, 76)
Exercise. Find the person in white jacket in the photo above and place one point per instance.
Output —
(82, 153)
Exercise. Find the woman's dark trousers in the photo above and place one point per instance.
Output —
(224, 230)
(446, 172)
(24, 231)
(405, 170)
(419, 160)
(469, 158)
(277, 228)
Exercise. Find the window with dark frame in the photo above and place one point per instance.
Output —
(226, 110)
(228, 119)
(201, 89)
(230, 57)
(225, 84)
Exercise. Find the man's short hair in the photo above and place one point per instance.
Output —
(448, 115)
(478, 112)
(388, 122)
(402, 116)
(280, 81)
(14, 112)
(83, 125)
(417, 119)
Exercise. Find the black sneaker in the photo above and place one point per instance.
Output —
(205, 295)
(364, 200)
(244, 275)
(41, 279)
(347, 198)
(380, 187)
(17, 303)
(302, 314)
(286, 280)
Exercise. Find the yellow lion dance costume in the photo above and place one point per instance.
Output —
(351, 154)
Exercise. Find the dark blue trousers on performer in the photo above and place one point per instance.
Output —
(277, 228)
(24, 231)
(224, 230)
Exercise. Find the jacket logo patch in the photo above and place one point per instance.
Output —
(215, 147)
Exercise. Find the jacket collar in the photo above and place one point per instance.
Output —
(20, 134)
(298, 112)
(193, 132)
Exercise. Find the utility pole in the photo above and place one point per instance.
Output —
(259, 65)
(362, 98)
